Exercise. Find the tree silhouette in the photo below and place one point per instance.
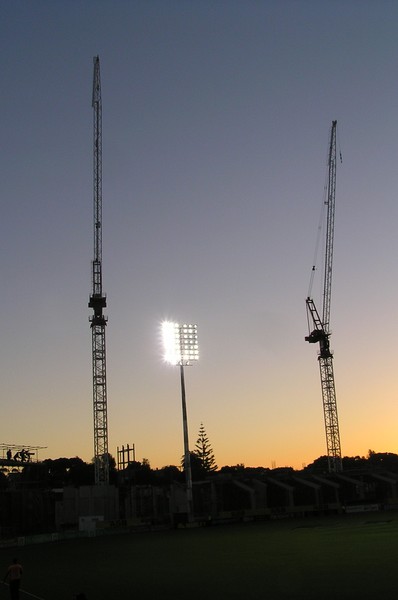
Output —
(204, 451)
(197, 469)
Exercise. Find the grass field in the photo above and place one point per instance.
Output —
(342, 558)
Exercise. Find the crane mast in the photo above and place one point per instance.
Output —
(98, 301)
(321, 326)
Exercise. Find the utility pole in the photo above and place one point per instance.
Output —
(98, 301)
(321, 331)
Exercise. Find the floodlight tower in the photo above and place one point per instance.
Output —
(98, 301)
(181, 348)
(321, 325)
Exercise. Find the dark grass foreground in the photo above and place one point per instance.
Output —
(340, 558)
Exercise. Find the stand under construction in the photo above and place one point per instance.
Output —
(98, 301)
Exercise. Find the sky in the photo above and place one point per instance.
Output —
(216, 121)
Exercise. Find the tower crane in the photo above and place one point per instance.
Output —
(98, 301)
(321, 325)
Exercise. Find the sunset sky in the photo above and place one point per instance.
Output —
(216, 120)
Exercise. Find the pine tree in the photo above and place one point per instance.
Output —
(205, 452)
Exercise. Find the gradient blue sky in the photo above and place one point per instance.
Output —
(216, 118)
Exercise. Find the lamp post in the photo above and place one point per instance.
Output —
(181, 348)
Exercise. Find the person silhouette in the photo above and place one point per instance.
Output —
(13, 575)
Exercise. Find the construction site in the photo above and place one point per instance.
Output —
(28, 507)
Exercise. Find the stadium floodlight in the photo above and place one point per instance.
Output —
(181, 348)
(180, 343)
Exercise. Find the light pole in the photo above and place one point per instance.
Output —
(181, 348)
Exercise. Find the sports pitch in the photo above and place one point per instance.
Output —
(340, 558)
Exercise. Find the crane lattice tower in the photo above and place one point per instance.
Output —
(321, 332)
(98, 301)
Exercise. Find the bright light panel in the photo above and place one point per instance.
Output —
(180, 343)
